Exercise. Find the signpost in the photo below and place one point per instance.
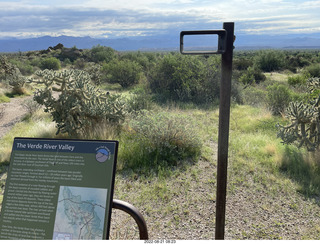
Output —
(59, 189)
(225, 48)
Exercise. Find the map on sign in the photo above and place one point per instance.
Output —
(80, 213)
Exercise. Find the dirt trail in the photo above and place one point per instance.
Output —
(11, 113)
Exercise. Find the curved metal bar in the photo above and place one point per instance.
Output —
(135, 214)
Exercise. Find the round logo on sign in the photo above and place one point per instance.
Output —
(102, 155)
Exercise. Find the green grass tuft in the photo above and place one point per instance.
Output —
(4, 99)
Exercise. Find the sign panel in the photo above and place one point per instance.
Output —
(59, 189)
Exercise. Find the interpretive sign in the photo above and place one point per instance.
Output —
(59, 189)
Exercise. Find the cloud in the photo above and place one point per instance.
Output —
(121, 18)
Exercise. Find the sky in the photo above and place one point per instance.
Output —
(120, 18)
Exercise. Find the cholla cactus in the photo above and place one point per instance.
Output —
(12, 75)
(305, 120)
(80, 105)
(6, 69)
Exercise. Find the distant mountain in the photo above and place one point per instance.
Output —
(279, 41)
(157, 43)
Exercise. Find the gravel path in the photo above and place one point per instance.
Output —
(11, 113)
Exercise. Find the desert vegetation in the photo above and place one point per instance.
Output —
(163, 109)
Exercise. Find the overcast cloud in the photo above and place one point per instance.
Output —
(105, 18)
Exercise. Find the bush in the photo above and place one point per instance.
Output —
(4, 99)
(252, 75)
(186, 79)
(70, 53)
(31, 106)
(297, 80)
(242, 63)
(253, 96)
(124, 72)
(159, 139)
(50, 63)
(80, 63)
(139, 101)
(313, 70)
(24, 66)
(102, 54)
(278, 98)
(270, 60)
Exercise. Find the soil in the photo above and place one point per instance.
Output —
(11, 113)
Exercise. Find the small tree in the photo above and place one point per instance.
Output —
(102, 54)
(124, 72)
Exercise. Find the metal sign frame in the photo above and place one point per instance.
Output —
(225, 48)
(221, 41)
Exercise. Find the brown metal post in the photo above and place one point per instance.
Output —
(223, 139)
(225, 47)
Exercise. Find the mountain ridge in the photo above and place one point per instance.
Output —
(154, 43)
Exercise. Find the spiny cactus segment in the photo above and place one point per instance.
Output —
(305, 120)
(80, 105)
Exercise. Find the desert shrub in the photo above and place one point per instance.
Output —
(102, 54)
(253, 96)
(24, 66)
(252, 75)
(313, 70)
(138, 57)
(31, 106)
(139, 101)
(66, 62)
(297, 60)
(125, 72)
(247, 78)
(50, 63)
(186, 79)
(159, 139)
(69, 53)
(242, 63)
(80, 105)
(4, 99)
(278, 98)
(35, 61)
(79, 63)
(297, 80)
(270, 60)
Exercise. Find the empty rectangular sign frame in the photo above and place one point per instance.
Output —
(222, 34)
